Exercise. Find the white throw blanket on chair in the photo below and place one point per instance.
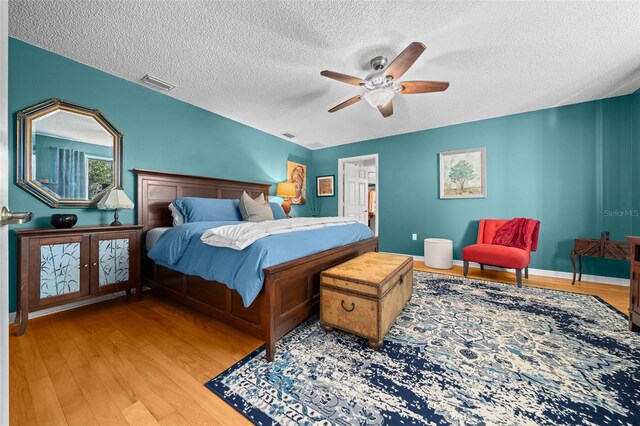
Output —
(243, 235)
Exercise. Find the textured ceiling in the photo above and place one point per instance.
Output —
(259, 62)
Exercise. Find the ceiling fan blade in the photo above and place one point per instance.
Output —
(386, 110)
(404, 60)
(345, 104)
(411, 87)
(344, 78)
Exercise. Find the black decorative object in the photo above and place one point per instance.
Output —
(63, 220)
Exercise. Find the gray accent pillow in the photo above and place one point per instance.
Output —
(255, 210)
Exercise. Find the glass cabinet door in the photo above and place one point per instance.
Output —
(113, 264)
(111, 260)
(59, 269)
(61, 265)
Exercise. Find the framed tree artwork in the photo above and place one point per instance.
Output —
(463, 174)
(325, 186)
(297, 174)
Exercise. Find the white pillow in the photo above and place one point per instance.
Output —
(255, 210)
(178, 219)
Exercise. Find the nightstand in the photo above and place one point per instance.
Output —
(60, 266)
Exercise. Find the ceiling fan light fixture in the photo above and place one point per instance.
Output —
(379, 97)
(383, 82)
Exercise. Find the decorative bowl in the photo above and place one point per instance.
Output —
(63, 220)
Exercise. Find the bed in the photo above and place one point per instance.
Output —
(290, 292)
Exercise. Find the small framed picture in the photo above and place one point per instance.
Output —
(324, 186)
(463, 174)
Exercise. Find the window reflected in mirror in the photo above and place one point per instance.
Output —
(73, 153)
(100, 175)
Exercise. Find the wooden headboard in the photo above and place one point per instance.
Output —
(156, 190)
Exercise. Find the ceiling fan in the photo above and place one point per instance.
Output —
(382, 83)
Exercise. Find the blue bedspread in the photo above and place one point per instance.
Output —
(180, 248)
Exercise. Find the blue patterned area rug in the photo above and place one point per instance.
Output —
(461, 352)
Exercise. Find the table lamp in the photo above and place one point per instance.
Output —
(286, 190)
(115, 199)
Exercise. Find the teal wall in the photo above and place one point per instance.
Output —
(160, 133)
(569, 167)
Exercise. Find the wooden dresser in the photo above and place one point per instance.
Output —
(59, 266)
(634, 295)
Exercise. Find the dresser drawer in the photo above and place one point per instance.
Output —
(587, 247)
(616, 250)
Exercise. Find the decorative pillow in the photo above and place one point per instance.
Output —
(195, 209)
(255, 210)
(177, 216)
(277, 211)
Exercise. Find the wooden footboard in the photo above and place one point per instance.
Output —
(291, 293)
(292, 290)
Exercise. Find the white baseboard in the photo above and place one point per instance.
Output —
(72, 305)
(548, 273)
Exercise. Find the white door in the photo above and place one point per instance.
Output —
(356, 201)
(4, 232)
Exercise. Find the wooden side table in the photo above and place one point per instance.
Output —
(603, 248)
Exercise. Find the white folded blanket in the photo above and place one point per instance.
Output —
(243, 235)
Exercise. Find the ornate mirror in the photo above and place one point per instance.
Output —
(68, 155)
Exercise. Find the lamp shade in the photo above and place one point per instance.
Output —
(115, 199)
(286, 189)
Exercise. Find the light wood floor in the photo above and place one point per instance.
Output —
(617, 296)
(145, 363)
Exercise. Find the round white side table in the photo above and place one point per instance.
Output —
(438, 253)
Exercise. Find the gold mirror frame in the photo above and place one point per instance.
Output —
(24, 151)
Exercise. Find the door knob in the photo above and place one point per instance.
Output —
(8, 217)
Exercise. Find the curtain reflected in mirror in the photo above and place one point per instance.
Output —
(74, 154)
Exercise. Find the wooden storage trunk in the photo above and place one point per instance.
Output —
(365, 295)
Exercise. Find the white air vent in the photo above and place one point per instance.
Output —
(315, 145)
(288, 135)
(156, 83)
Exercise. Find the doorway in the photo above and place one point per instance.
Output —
(358, 190)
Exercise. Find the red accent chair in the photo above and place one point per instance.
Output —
(486, 253)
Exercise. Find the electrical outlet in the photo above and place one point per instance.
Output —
(414, 237)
